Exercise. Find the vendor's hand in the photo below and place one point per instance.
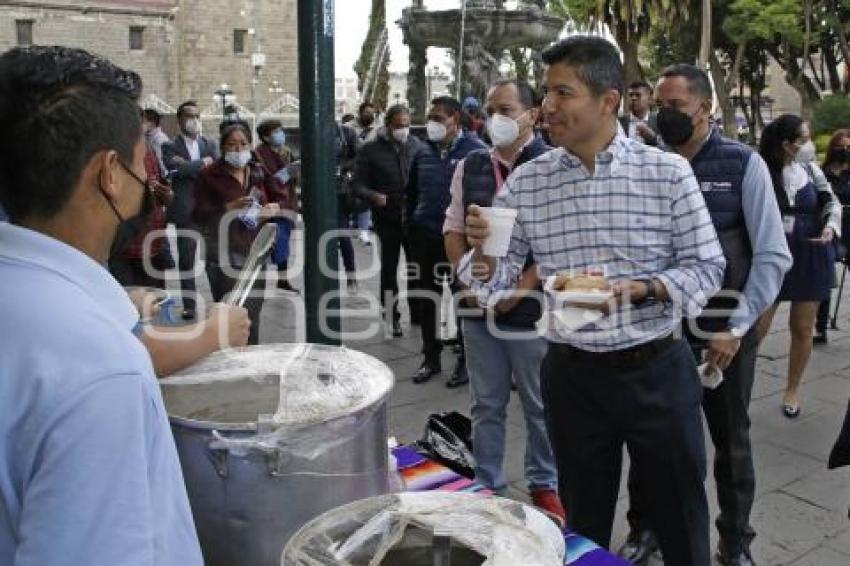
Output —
(379, 200)
(826, 236)
(241, 202)
(229, 325)
(208, 161)
(477, 227)
(722, 349)
(645, 132)
(146, 303)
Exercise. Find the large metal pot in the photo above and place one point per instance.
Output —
(271, 436)
(427, 528)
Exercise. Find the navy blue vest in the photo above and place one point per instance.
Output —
(719, 168)
(435, 167)
(479, 187)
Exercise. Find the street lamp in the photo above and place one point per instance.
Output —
(224, 92)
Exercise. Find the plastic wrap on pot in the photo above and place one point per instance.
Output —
(312, 384)
(363, 533)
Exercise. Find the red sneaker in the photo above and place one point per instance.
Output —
(548, 501)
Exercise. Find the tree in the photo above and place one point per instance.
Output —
(377, 23)
(628, 20)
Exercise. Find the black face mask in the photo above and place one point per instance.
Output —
(675, 126)
(130, 228)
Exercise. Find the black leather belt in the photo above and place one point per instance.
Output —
(628, 358)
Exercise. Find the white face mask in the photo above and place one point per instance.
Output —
(400, 135)
(192, 126)
(238, 159)
(503, 130)
(807, 153)
(436, 131)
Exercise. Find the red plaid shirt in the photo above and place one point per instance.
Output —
(135, 249)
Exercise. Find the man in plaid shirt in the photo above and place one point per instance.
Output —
(601, 199)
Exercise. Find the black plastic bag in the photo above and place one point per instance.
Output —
(448, 439)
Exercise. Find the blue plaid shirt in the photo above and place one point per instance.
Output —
(640, 215)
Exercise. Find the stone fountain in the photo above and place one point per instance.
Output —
(490, 30)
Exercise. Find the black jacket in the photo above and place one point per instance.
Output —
(383, 167)
(184, 171)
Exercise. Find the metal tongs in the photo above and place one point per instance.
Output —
(261, 247)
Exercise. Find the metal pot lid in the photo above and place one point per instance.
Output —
(316, 382)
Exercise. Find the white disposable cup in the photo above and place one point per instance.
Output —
(501, 222)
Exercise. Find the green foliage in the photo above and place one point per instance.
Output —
(764, 19)
(821, 143)
(831, 113)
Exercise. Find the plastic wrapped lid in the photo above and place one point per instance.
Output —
(373, 531)
(295, 384)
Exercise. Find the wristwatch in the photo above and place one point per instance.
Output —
(650, 296)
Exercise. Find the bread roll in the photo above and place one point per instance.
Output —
(581, 283)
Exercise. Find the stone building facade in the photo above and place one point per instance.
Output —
(183, 49)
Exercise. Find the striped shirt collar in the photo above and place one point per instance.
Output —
(612, 154)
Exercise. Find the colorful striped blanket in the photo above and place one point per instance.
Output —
(423, 474)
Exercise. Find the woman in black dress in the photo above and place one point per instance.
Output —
(811, 216)
(836, 167)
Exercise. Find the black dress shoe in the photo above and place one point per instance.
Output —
(426, 371)
(397, 333)
(741, 558)
(639, 547)
(188, 314)
(284, 285)
(820, 337)
(459, 376)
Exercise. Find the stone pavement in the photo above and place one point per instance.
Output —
(801, 509)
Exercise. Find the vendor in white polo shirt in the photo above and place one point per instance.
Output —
(88, 469)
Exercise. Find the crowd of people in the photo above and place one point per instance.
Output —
(700, 238)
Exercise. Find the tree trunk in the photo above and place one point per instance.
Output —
(629, 40)
(722, 90)
(705, 38)
(838, 30)
(796, 78)
(831, 64)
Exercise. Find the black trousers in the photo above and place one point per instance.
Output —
(593, 408)
(429, 258)
(726, 412)
(186, 252)
(221, 284)
(391, 236)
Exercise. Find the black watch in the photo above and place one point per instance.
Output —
(650, 296)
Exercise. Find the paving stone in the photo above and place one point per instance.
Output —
(789, 527)
(823, 557)
(825, 488)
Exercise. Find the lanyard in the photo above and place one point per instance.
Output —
(497, 171)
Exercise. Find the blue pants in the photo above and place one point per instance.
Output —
(491, 362)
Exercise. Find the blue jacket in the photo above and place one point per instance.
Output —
(431, 173)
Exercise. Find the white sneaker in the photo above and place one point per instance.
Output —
(364, 238)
